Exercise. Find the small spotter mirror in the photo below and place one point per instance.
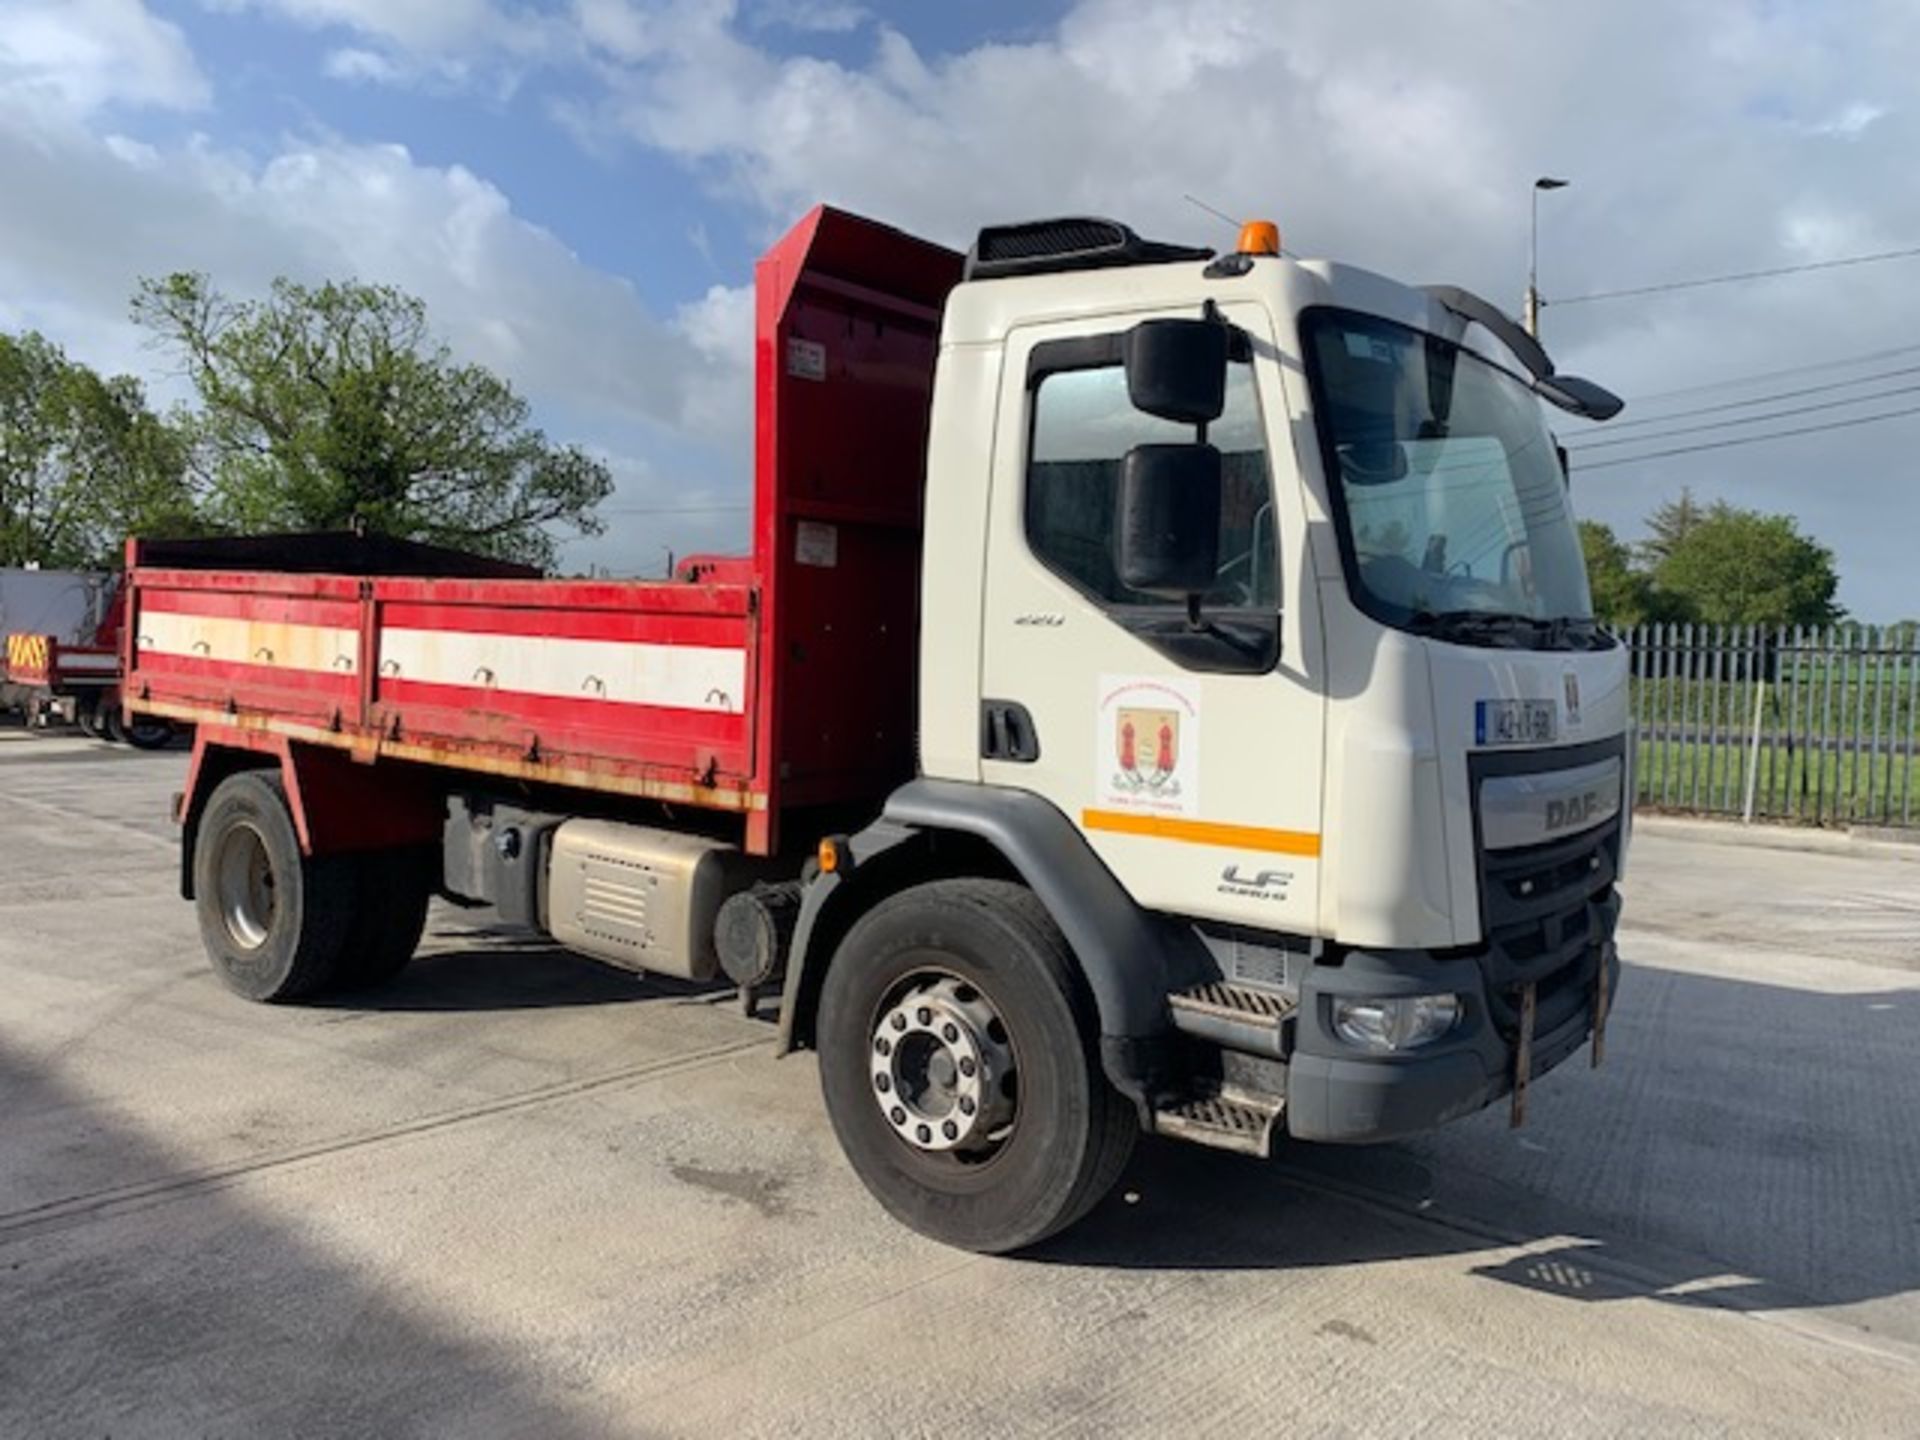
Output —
(1177, 369)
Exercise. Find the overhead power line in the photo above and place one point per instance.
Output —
(1751, 401)
(1616, 426)
(1582, 447)
(1735, 382)
(1751, 439)
(1695, 284)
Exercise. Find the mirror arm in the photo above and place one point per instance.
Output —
(1502, 326)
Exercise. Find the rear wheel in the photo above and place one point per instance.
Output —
(959, 1065)
(273, 920)
(148, 732)
(389, 916)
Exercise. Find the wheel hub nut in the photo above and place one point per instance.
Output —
(939, 1074)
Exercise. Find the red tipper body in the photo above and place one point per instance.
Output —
(756, 687)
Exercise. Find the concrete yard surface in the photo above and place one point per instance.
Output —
(521, 1194)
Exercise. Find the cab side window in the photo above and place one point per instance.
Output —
(1082, 427)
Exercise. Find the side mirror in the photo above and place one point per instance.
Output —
(1177, 369)
(1579, 397)
(1168, 540)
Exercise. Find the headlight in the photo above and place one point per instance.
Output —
(1385, 1026)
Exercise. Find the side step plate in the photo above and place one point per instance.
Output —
(1230, 1119)
(1235, 1017)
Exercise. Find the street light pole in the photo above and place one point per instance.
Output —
(1531, 315)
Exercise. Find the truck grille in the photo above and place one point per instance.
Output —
(1546, 908)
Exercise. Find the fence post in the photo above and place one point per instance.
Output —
(1759, 712)
(1821, 790)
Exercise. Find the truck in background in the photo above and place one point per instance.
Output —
(62, 655)
(1163, 695)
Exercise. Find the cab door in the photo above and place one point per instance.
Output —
(1190, 759)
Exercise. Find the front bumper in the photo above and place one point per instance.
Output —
(1336, 1093)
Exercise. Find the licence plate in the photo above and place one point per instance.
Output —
(1516, 722)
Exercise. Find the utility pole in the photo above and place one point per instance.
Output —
(1531, 313)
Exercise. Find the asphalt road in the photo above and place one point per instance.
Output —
(521, 1194)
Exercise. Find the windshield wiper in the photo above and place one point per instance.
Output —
(1491, 623)
(1561, 632)
(1581, 628)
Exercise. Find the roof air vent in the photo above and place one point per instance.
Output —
(1040, 247)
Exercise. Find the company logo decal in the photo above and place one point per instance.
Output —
(1148, 746)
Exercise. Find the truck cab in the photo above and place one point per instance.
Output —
(1361, 773)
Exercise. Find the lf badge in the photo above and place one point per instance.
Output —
(1250, 884)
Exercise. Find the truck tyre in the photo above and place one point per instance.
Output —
(148, 732)
(960, 1068)
(273, 920)
(389, 915)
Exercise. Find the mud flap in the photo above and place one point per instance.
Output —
(1601, 1000)
(1523, 1057)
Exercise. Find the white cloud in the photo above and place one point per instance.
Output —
(89, 216)
(719, 325)
(827, 17)
(1850, 120)
(1400, 137)
(83, 55)
(441, 45)
(1702, 139)
(422, 25)
(356, 65)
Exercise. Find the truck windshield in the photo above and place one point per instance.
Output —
(1451, 502)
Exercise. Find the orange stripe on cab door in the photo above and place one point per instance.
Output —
(1203, 832)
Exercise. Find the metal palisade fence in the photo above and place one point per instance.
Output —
(1815, 725)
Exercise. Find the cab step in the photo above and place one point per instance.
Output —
(1226, 1119)
(1235, 1017)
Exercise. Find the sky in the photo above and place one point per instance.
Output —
(578, 189)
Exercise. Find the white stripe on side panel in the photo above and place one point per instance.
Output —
(249, 642)
(681, 677)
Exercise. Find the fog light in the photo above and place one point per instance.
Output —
(1385, 1026)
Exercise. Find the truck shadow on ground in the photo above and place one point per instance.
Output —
(1176, 1211)
(480, 968)
(146, 1301)
(1746, 1146)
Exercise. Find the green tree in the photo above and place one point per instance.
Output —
(332, 406)
(1622, 595)
(1668, 526)
(1742, 567)
(83, 461)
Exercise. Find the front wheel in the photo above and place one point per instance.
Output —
(960, 1069)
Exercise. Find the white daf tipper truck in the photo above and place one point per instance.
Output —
(1264, 774)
